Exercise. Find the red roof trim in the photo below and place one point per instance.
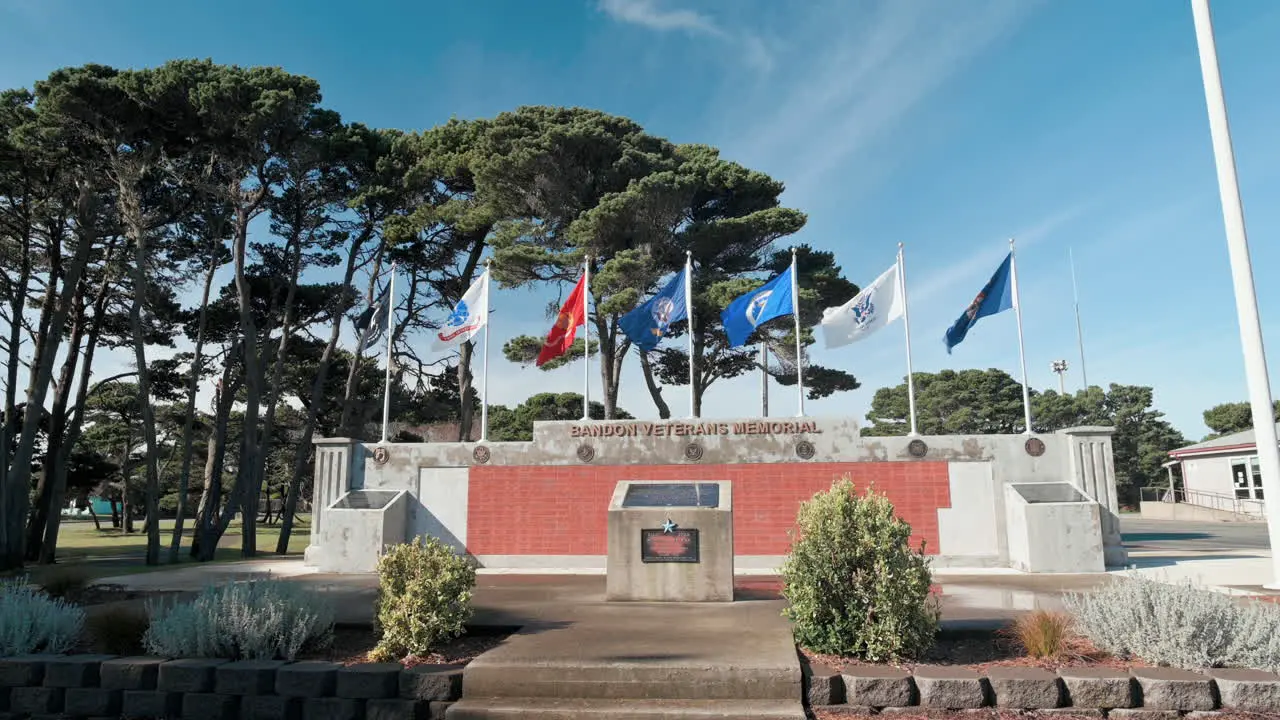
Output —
(1212, 450)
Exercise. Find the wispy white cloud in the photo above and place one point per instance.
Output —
(974, 265)
(864, 76)
(661, 18)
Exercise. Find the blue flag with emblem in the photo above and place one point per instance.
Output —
(761, 305)
(996, 296)
(647, 324)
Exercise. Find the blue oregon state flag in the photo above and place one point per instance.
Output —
(996, 296)
(748, 311)
(647, 324)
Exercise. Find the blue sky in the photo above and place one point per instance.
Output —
(947, 126)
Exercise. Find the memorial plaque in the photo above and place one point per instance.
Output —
(679, 545)
(656, 495)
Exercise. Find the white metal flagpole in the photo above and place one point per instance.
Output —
(484, 396)
(795, 311)
(1022, 353)
(586, 339)
(1075, 294)
(906, 323)
(391, 316)
(1255, 357)
(688, 313)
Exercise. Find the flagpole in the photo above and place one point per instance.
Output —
(1075, 294)
(1022, 353)
(386, 389)
(1255, 356)
(484, 396)
(586, 340)
(795, 312)
(906, 323)
(688, 313)
(764, 379)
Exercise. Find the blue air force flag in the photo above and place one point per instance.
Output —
(648, 323)
(372, 323)
(748, 311)
(879, 304)
(996, 296)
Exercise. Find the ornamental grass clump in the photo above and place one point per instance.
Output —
(254, 620)
(1178, 625)
(424, 598)
(33, 622)
(855, 586)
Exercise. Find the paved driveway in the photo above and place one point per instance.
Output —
(1199, 537)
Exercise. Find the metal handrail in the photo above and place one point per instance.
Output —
(1216, 501)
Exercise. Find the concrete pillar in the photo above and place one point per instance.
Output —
(1091, 468)
(339, 467)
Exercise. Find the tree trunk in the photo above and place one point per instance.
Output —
(655, 390)
(131, 210)
(466, 391)
(346, 423)
(45, 496)
(75, 423)
(303, 451)
(96, 525)
(53, 323)
(17, 307)
(115, 514)
(206, 536)
(249, 540)
(188, 424)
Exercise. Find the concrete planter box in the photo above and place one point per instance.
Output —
(1053, 528)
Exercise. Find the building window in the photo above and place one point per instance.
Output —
(1247, 479)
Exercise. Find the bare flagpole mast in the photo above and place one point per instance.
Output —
(1075, 294)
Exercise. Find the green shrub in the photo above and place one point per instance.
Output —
(33, 622)
(118, 630)
(854, 584)
(424, 598)
(1178, 625)
(255, 620)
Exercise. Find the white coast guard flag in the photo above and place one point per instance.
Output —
(879, 304)
(467, 318)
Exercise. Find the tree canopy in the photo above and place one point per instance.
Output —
(977, 402)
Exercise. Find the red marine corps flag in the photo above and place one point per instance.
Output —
(572, 314)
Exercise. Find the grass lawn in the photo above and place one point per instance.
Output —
(110, 552)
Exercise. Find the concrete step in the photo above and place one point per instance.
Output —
(586, 709)
(631, 680)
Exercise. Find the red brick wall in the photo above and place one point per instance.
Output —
(562, 510)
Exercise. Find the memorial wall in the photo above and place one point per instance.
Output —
(544, 504)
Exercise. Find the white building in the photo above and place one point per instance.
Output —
(1221, 474)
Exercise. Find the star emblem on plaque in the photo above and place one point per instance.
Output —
(668, 527)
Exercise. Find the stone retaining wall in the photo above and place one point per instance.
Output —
(1148, 693)
(103, 686)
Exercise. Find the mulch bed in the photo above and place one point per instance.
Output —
(352, 645)
(981, 650)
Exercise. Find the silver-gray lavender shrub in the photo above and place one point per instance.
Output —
(255, 620)
(33, 622)
(1178, 625)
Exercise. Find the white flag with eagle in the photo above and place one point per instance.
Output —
(469, 316)
(879, 304)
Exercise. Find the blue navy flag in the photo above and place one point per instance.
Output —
(761, 305)
(646, 325)
(995, 297)
(373, 321)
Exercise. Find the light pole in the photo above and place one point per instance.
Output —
(1060, 367)
(1255, 356)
